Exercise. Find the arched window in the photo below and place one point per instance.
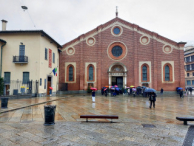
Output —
(167, 73)
(70, 73)
(144, 72)
(91, 73)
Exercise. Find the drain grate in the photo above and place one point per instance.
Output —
(189, 137)
(148, 126)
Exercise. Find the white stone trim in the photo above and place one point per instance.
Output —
(74, 64)
(142, 42)
(140, 72)
(90, 44)
(112, 31)
(167, 52)
(95, 66)
(69, 53)
(172, 64)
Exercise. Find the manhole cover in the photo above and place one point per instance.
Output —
(148, 126)
(189, 136)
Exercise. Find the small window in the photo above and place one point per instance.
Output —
(25, 77)
(40, 81)
(6, 77)
(70, 73)
(192, 82)
(46, 52)
(144, 71)
(167, 73)
(188, 82)
(187, 74)
(53, 57)
(91, 73)
(44, 83)
(117, 51)
(116, 30)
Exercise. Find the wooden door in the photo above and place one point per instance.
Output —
(7, 89)
(48, 85)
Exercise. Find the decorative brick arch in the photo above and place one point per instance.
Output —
(170, 72)
(88, 72)
(67, 73)
(148, 72)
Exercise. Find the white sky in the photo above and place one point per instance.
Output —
(65, 20)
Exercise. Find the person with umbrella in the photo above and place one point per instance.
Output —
(152, 99)
(181, 93)
(105, 91)
(93, 94)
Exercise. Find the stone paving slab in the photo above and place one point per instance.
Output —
(83, 133)
(25, 126)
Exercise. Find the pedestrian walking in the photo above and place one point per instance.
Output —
(181, 93)
(152, 99)
(105, 92)
(162, 90)
(190, 90)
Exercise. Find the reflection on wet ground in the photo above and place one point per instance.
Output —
(126, 107)
(25, 126)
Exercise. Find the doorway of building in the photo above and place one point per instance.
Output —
(48, 84)
(145, 84)
(117, 81)
(7, 87)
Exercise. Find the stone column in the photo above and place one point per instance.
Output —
(110, 80)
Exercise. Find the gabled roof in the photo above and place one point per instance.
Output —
(31, 31)
(126, 24)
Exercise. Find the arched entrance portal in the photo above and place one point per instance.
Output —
(117, 75)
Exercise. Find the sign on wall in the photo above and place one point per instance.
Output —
(50, 58)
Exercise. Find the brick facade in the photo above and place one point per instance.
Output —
(151, 49)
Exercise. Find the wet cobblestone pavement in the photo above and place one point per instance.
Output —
(25, 126)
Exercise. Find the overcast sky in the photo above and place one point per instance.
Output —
(65, 20)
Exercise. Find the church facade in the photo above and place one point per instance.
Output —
(123, 54)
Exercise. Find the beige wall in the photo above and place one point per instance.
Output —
(45, 71)
(37, 66)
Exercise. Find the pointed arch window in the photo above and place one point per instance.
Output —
(167, 73)
(91, 73)
(144, 72)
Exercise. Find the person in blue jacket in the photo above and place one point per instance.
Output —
(152, 99)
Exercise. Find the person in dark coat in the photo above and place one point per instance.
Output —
(152, 99)
(105, 92)
(181, 93)
(190, 90)
(161, 91)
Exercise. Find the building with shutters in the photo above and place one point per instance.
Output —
(124, 54)
(189, 66)
(28, 55)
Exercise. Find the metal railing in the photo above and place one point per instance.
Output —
(20, 59)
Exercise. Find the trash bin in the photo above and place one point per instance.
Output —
(49, 114)
(4, 102)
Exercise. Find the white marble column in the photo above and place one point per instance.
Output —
(110, 80)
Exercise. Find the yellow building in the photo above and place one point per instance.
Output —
(28, 59)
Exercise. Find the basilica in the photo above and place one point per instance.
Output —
(124, 54)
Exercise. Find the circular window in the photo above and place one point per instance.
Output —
(117, 51)
(116, 30)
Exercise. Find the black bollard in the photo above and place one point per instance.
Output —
(49, 114)
(4, 102)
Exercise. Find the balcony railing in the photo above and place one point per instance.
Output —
(20, 59)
